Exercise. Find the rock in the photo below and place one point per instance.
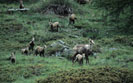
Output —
(57, 54)
(61, 48)
(111, 49)
(59, 42)
(67, 52)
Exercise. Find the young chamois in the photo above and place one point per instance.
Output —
(79, 58)
(84, 49)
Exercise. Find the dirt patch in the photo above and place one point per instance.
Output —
(98, 75)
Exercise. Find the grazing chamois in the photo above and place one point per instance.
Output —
(54, 26)
(40, 50)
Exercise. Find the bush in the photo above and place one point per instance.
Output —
(102, 75)
(61, 7)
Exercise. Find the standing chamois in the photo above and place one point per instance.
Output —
(83, 49)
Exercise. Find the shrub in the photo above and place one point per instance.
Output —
(102, 74)
(61, 7)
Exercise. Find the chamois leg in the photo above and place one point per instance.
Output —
(57, 28)
(87, 59)
(70, 21)
(73, 21)
(43, 54)
(36, 53)
(81, 62)
(52, 28)
(40, 54)
(32, 48)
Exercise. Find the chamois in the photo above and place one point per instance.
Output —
(54, 26)
(21, 4)
(25, 50)
(79, 58)
(84, 49)
(40, 50)
(72, 18)
(12, 58)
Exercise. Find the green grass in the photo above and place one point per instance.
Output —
(16, 31)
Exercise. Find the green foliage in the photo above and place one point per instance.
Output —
(118, 53)
(53, 50)
(9, 74)
(103, 74)
(59, 7)
(111, 49)
(119, 13)
(124, 39)
(112, 5)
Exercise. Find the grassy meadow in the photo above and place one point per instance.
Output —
(115, 55)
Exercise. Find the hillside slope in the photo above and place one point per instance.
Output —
(113, 49)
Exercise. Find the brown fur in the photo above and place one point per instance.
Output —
(40, 50)
(54, 26)
(79, 58)
(84, 49)
(25, 50)
(72, 19)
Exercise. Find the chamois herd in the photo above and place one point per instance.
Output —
(81, 51)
